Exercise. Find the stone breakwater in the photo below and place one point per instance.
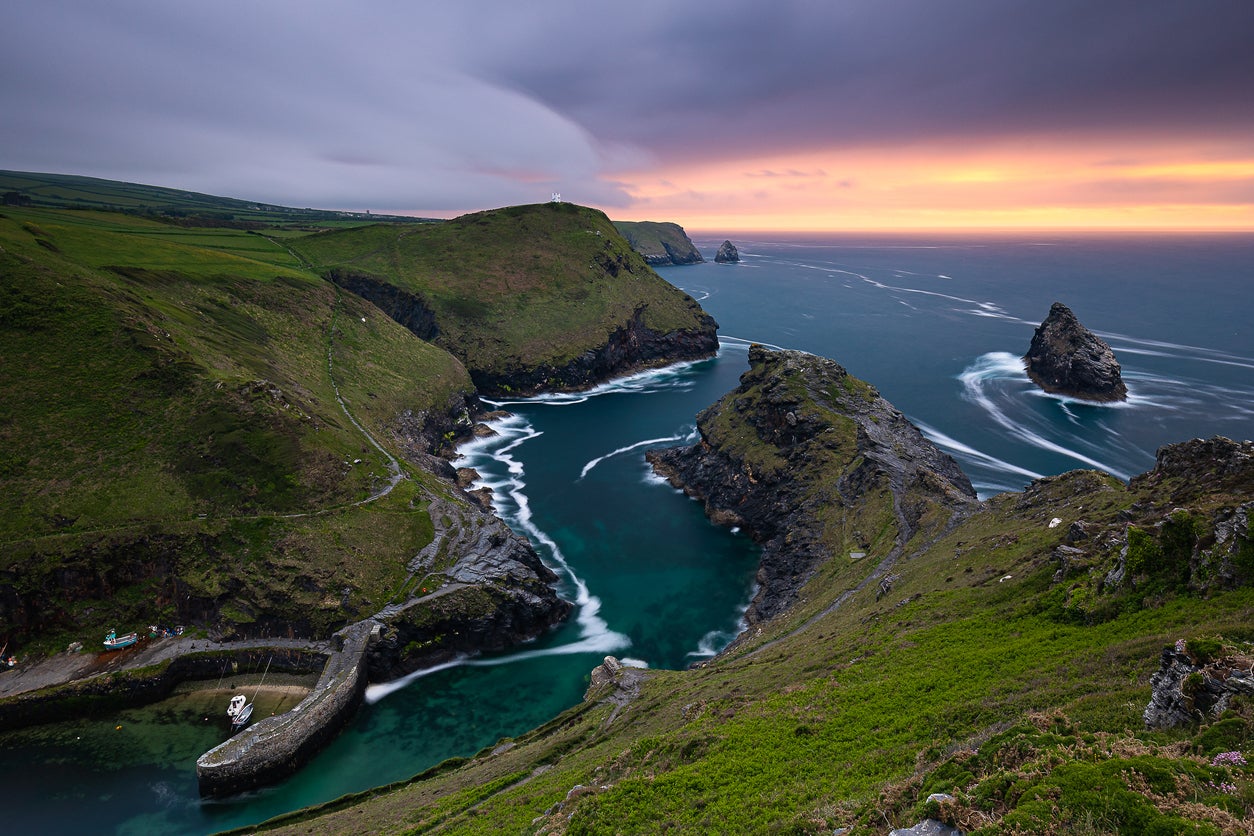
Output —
(70, 686)
(276, 747)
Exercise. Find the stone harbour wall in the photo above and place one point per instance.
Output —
(276, 747)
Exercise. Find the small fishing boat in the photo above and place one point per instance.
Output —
(115, 642)
(237, 705)
(240, 710)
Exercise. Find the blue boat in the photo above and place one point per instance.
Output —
(115, 642)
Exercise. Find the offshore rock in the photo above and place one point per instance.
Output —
(727, 253)
(811, 462)
(1065, 358)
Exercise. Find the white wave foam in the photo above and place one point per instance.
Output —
(1001, 365)
(665, 378)
(713, 642)
(647, 443)
(741, 344)
(1177, 351)
(962, 450)
(604, 643)
(511, 502)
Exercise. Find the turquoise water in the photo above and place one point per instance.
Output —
(935, 323)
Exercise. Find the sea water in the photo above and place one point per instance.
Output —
(936, 323)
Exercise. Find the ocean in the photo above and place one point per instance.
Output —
(936, 322)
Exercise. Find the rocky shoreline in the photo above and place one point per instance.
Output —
(631, 347)
(798, 438)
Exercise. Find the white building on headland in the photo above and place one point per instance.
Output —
(557, 198)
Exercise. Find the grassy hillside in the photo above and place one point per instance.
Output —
(171, 445)
(514, 289)
(998, 661)
(66, 191)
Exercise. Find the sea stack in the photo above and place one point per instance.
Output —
(727, 253)
(1066, 358)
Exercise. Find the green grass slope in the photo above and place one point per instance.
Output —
(171, 445)
(520, 294)
(66, 191)
(1006, 663)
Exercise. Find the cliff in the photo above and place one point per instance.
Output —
(660, 243)
(234, 444)
(1065, 358)
(816, 466)
(548, 296)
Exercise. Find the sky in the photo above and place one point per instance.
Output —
(721, 115)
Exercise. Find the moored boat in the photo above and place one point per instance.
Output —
(115, 642)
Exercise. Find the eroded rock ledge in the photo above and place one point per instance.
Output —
(813, 464)
(630, 347)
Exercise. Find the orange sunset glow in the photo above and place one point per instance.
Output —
(1099, 186)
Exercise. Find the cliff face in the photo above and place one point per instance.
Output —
(660, 243)
(632, 345)
(477, 588)
(815, 466)
(1065, 358)
(548, 296)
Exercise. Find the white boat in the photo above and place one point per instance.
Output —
(237, 705)
(241, 719)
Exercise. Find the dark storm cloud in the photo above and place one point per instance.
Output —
(445, 106)
(733, 78)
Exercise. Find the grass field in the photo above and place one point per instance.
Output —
(514, 288)
(170, 403)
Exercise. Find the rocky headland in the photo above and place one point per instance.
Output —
(727, 253)
(1065, 358)
(660, 242)
(816, 466)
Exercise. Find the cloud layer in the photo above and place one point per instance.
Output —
(443, 108)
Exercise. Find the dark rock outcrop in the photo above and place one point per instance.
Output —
(727, 253)
(1065, 358)
(1186, 690)
(631, 346)
(809, 461)
(408, 309)
(488, 591)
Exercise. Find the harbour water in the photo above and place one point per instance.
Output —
(936, 323)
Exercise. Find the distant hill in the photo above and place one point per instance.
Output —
(660, 242)
(69, 191)
(525, 296)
